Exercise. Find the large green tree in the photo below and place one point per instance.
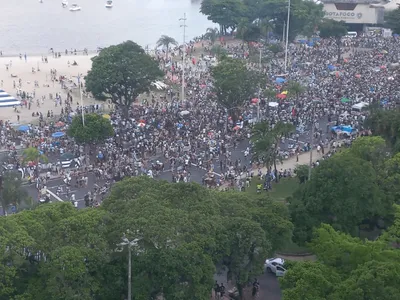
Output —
(336, 30)
(122, 72)
(12, 192)
(234, 84)
(96, 129)
(392, 20)
(343, 191)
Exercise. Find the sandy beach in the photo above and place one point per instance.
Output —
(22, 69)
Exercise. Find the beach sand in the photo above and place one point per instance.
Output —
(23, 69)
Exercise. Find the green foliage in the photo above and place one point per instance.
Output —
(392, 20)
(343, 191)
(267, 140)
(309, 280)
(166, 42)
(211, 34)
(122, 72)
(184, 232)
(347, 268)
(33, 154)
(386, 123)
(12, 192)
(302, 173)
(333, 29)
(234, 84)
(295, 89)
(96, 129)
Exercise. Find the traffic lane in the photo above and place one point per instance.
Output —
(269, 287)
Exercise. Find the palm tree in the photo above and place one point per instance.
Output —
(166, 41)
(218, 51)
(295, 88)
(34, 155)
(11, 191)
(211, 34)
(267, 141)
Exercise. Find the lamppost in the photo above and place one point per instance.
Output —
(129, 244)
(312, 136)
(287, 36)
(81, 98)
(184, 54)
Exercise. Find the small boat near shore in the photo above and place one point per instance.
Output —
(109, 4)
(75, 7)
(64, 3)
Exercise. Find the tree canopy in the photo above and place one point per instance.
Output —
(184, 231)
(254, 20)
(122, 72)
(234, 83)
(96, 129)
(392, 20)
(333, 29)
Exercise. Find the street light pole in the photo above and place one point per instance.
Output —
(129, 273)
(283, 31)
(129, 244)
(287, 36)
(184, 55)
(81, 98)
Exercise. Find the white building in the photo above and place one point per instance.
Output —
(365, 12)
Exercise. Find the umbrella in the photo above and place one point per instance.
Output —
(23, 128)
(184, 112)
(237, 127)
(105, 116)
(280, 80)
(345, 100)
(284, 93)
(141, 124)
(67, 156)
(58, 134)
(281, 96)
(254, 100)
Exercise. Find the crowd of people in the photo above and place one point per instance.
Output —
(164, 134)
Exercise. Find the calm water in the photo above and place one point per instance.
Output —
(33, 27)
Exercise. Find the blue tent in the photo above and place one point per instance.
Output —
(331, 67)
(342, 128)
(23, 128)
(58, 134)
(280, 80)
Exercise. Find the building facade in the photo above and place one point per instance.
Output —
(362, 12)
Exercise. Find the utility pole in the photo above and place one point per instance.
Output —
(259, 88)
(184, 54)
(80, 93)
(287, 36)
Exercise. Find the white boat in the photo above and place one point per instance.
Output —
(64, 3)
(109, 4)
(75, 7)
(40, 1)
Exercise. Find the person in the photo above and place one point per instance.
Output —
(216, 288)
(259, 187)
(222, 290)
(256, 286)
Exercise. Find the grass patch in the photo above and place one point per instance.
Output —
(280, 191)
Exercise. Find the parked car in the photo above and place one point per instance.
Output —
(275, 265)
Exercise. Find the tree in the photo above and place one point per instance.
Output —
(96, 129)
(309, 280)
(226, 13)
(219, 51)
(166, 42)
(333, 29)
(372, 280)
(296, 89)
(34, 155)
(386, 123)
(343, 191)
(302, 173)
(12, 192)
(122, 72)
(267, 140)
(392, 20)
(211, 34)
(234, 84)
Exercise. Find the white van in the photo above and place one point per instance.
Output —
(359, 107)
(351, 34)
